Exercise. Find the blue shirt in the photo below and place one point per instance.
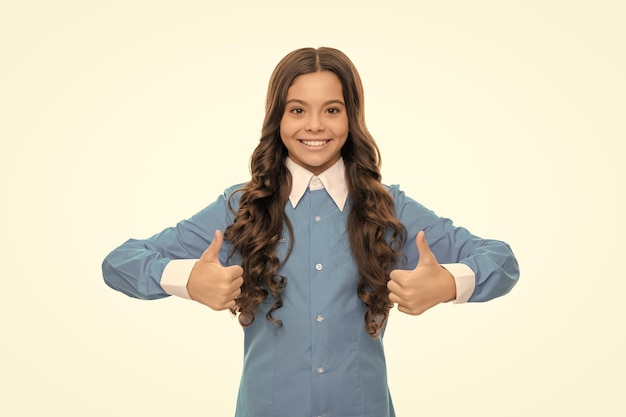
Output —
(321, 362)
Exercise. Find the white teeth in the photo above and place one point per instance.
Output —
(314, 142)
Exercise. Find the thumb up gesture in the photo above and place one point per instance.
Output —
(429, 284)
(212, 284)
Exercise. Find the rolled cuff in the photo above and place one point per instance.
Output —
(176, 275)
(464, 279)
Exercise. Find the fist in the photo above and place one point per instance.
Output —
(212, 284)
(417, 290)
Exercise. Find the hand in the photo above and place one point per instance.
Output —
(424, 287)
(212, 284)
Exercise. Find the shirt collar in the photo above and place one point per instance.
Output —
(333, 180)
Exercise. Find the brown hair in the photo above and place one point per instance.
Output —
(375, 234)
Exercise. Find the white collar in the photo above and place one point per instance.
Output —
(333, 179)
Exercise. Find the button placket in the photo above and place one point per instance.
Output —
(320, 221)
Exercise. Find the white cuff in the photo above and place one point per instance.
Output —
(176, 275)
(464, 279)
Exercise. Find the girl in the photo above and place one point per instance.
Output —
(314, 252)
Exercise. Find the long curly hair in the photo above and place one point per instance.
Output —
(375, 234)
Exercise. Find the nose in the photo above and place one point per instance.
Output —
(314, 124)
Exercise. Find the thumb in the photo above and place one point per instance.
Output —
(211, 254)
(426, 256)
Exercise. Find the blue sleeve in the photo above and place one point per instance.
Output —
(492, 261)
(135, 267)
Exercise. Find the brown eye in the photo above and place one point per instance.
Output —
(333, 110)
(297, 110)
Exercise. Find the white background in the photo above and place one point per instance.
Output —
(120, 118)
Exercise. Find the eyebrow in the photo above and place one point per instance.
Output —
(333, 101)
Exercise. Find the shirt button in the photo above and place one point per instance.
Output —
(319, 267)
(319, 370)
(317, 219)
(319, 318)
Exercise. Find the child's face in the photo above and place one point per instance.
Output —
(314, 126)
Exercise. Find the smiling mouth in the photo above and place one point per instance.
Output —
(314, 143)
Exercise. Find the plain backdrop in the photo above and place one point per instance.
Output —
(120, 118)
